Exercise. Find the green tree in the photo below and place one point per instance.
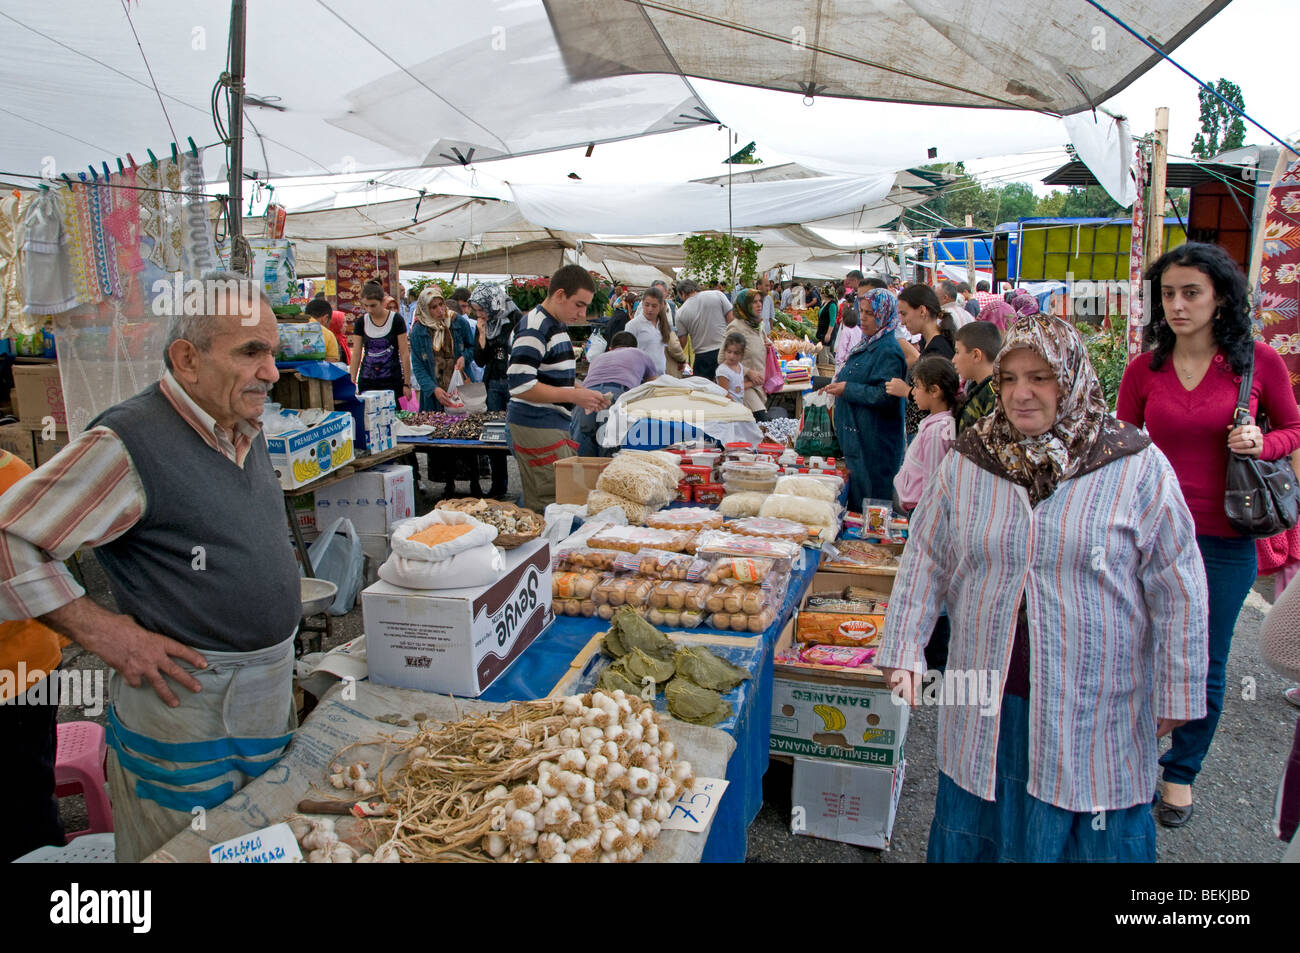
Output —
(1221, 125)
(744, 157)
(1051, 205)
(1091, 202)
(710, 258)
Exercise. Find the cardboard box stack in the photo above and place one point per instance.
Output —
(42, 428)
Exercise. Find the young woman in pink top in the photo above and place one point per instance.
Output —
(1184, 391)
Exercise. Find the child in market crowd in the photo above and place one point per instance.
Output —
(731, 372)
(975, 348)
(849, 335)
(934, 388)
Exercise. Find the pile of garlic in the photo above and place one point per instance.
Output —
(352, 776)
(321, 845)
(605, 795)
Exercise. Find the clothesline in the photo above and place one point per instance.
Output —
(104, 184)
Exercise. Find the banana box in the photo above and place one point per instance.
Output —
(835, 714)
(302, 456)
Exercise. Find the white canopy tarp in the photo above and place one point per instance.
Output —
(1058, 56)
(336, 86)
(693, 206)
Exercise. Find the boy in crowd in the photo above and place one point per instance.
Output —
(975, 349)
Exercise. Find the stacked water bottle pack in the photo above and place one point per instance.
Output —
(381, 415)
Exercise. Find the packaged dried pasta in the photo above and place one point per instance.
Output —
(741, 504)
(693, 518)
(638, 481)
(810, 487)
(807, 512)
(598, 500)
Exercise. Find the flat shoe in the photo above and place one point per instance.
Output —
(1170, 815)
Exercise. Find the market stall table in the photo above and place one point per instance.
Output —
(548, 658)
(793, 394)
(341, 721)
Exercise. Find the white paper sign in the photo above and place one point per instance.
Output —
(695, 808)
(270, 845)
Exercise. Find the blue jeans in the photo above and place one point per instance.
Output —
(498, 396)
(1230, 571)
(1018, 828)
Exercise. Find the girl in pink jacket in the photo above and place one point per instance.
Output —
(934, 388)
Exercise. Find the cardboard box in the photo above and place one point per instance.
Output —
(836, 714)
(17, 439)
(846, 803)
(458, 641)
(299, 458)
(46, 449)
(575, 477)
(373, 499)
(37, 394)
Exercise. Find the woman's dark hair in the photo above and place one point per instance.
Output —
(1231, 324)
(373, 291)
(923, 296)
(935, 371)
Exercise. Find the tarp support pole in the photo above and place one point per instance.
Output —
(455, 273)
(1159, 160)
(238, 246)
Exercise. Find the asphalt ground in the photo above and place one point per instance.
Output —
(1234, 795)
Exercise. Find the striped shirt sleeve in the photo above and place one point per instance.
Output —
(1175, 589)
(923, 577)
(87, 495)
(526, 355)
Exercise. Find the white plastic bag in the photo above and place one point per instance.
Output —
(457, 382)
(480, 534)
(337, 556)
(466, 570)
(596, 345)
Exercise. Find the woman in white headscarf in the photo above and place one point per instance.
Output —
(433, 354)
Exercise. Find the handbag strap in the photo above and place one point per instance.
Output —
(1243, 393)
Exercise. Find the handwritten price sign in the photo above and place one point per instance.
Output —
(695, 808)
(271, 845)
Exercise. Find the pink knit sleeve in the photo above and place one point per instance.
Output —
(1277, 400)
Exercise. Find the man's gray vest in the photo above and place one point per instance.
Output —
(210, 563)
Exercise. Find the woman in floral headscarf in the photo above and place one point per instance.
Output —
(868, 421)
(1060, 542)
(495, 316)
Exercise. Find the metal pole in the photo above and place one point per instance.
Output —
(238, 258)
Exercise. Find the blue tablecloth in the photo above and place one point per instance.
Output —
(547, 659)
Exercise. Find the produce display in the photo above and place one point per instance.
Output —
(578, 779)
(451, 426)
(692, 678)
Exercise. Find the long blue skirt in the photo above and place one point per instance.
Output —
(1018, 828)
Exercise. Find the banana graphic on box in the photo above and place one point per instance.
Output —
(831, 717)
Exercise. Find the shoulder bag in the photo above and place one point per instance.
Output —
(1261, 497)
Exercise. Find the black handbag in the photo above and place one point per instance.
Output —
(1261, 497)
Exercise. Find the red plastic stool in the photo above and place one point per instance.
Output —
(79, 769)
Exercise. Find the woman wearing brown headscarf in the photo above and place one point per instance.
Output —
(1061, 545)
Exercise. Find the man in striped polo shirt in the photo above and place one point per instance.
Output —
(541, 380)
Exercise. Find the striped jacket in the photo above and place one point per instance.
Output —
(540, 354)
(1117, 608)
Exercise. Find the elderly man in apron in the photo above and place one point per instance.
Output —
(175, 491)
